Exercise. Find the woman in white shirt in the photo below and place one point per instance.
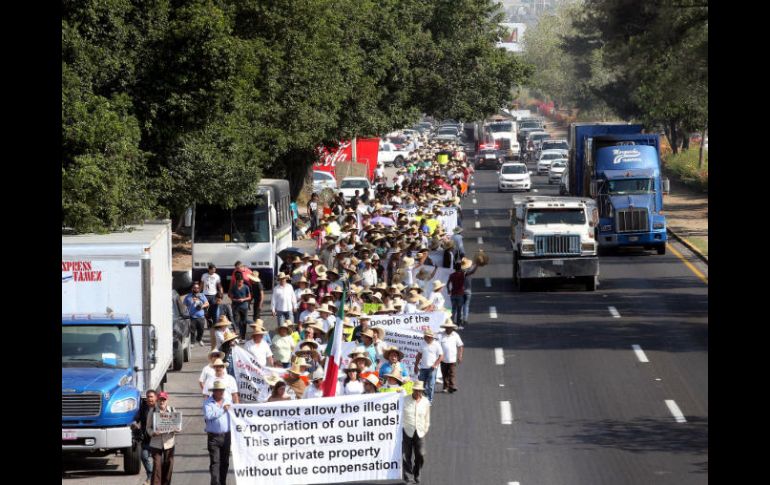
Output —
(352, 384)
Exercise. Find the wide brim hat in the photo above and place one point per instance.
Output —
(282, 276)
(373, 380)
(379, 331)
(296, 366)
(296, 260)
(257, 329)
(223, 322)
(428, 333)
(322, 277)
(254, 276)
(318, 328)
(438, 284)
(365, 357)
(368, 333)
(311, 353)
(230, 336)
(376, 297)
(397, 377)
(458, 229)
(418, 386)
(311, 343)
(351, 367)
(449, 324)
(218, 385)
(272, 380)
(466, 263)
(216, 352)
(218, 363)
(425, 305)
(386, 353)
(324, 308)
(358, 350)
(347, 323)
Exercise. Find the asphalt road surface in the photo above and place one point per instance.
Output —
(553, 390)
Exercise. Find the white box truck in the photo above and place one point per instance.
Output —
(117, 335)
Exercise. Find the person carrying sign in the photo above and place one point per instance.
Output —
(215, 412)
(161, 444)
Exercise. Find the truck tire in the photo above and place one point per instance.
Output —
(187, 348)
(398, 162)
(178, 361)
(132, 458)
(591, 282)
(661, 249)
(521, 284)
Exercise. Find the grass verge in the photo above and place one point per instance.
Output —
(684, 165)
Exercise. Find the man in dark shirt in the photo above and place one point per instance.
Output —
(140, 428)
(240, 295)
(456, 288)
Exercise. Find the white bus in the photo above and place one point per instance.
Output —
(253, 234)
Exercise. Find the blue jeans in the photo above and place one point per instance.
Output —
(466, 306)
(428, 377)
(281, 316)
(457, 307)
(147, 460)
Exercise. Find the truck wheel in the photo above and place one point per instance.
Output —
(398, 162)
(521, 284)
(661, 249)
(591, 282)
(178, 356)
(187, 345)
(132, 458)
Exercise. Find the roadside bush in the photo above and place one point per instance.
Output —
(684, 165)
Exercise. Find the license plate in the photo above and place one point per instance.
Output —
(68, 435)
(489, 156)
(633, 238)
(558, 262)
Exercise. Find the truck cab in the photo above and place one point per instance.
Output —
(553, 238)
(100, 398)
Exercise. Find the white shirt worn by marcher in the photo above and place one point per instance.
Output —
(261, 351)
(416, 416)
(353, 387)
(437, 300)
(230, 385)
(312, 391)
(210, 282)
(369, 277)
(283, 299)
(430, 354)
(307, 313)
(207, 372)
(411, 308)
(450, 344)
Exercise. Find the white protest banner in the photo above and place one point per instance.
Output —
(167, 422)
(408, 342)
(329, 440)
(409, 321)
(448, 218)
(250, 377)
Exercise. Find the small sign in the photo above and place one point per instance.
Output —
(167, 422)
(68, 435)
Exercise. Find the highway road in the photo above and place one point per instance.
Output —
(559, 386)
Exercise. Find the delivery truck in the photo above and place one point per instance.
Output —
(117, 335)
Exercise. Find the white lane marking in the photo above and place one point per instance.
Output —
(614, 312)
(478, 225)
(475, 212)
(678, 416)
(488, 282)
(499, 357)
(639, 353)
(480, 240)
(534, 190)
(492, 312)
(474, 201)
(473, 191)
(513, 483)
(506, 415)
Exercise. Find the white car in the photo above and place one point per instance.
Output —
(514, 176)
(388, 154)
(546, 157)
(558, 167)
(323, 180)
(349, 185)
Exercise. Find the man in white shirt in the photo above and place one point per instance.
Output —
(284, 301)
(427, 361)
(221, 375)
(452, 347)
(416, 424)
(212, 286)
(436, 297)
(258, 347)
(310, 312)
(369, 274)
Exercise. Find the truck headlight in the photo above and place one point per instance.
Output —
(587, 246)
(123, 406)
(528, 248)
(658, 225)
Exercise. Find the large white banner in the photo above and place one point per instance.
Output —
(410, 321)
(329, 440)
(250, 376)
(448, 218)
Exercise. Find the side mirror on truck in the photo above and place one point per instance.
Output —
(666, 185)
(593, 189)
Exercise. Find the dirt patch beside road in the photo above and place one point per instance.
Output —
(181, 252)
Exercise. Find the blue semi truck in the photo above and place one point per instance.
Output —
(619, 167)
(117, 336)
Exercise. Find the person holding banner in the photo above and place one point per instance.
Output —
(278, 392)
(296, 378)
(416, 424)
(370, 384)
(161, 444)
(217, 418)
(258, 347)
(427, 361)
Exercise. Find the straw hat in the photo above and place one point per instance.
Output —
(448, 324)
(379, 332)
(311, 301)
(377, 297)
(437, 285)
(296, 260)
(317, 327)
(324, 308)
(223, 322)
(318, 374)
(272, 380)
(296, 367)
(254, 276)
(286, 324)
(386, 353)
(465, 264)
(428, 333)
(216, 353)
(322, 277)
(311, 343)
(368, 333)
(397, 377)
(364, 316)
(257, 329)
(218, 363)
(359, 350)
(372, 380)
(230, 336)
(425, 305)
(218, 385)
(347, 323)
(458, 229)
(418, 386)
(364, 356)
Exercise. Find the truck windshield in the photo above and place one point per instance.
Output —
(249, 223)
(555, 216)
(498, 127)
(94, 346)
(629, 186)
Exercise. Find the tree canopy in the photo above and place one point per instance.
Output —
(168, 103)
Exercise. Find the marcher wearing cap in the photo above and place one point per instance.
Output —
(416, 418)
(258, 347)
(427, 361)
(452, 347)
(283, 344)
(161, 444)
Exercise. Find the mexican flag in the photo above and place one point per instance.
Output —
(333, 351)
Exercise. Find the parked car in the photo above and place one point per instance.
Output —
(488, 158)
(349, 185)
(323, 180)
(389, 154)
(546, 158)
(514, 176)
(558, 167)
(182, 335)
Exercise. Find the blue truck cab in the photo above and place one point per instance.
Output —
(619, 167)
(100, 398)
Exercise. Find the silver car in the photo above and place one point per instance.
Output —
(323, 180)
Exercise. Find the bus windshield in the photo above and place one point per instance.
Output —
(94, 346)
(629, 186)
(246, 224)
